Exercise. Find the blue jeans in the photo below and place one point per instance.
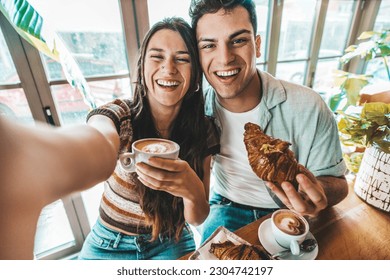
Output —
(231, 215)
(103, 243)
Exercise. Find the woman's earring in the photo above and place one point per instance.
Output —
(197, 88)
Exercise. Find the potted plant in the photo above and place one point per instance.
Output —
(370, 129)
(357, 89)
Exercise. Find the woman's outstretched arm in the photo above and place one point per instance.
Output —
(42, 164)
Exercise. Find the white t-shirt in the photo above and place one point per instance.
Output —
(236, 180)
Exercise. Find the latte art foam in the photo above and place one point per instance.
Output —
(156, 148)
(289, 223)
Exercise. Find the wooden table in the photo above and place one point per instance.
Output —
(350, 230)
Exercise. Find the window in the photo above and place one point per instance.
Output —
(262, 11)
(294, 42)
(336, 30)
(13, 101)
(8, 73)
(376, 67)
(98, 47)
(158, 9)
(382, 21)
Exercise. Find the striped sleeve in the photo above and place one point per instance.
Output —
(120, 113)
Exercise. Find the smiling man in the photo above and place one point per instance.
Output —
(240, 93)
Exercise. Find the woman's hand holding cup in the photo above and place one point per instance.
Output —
(144, 149)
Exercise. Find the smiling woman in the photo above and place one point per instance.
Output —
(145, 214)
(167, 72)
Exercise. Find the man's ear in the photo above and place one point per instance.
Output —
(258, 45)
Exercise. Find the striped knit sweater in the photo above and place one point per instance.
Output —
(119, 207)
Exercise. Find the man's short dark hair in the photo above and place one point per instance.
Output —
(199, 8)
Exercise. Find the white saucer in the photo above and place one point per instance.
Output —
(267, 240)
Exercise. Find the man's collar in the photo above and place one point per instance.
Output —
(273, 92)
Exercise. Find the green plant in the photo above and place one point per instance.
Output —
(378, 44)
(369, 127)
(350, 86)
(353, 161)
(375, 44)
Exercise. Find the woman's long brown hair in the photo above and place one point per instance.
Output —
(164, 211)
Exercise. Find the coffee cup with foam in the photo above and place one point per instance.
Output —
(289, 229)
(144, 149)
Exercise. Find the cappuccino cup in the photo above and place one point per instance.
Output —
(144, 149)
(289, 229)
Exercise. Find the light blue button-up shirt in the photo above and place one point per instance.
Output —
(296, 114)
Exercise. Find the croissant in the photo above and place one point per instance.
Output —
(229, 251)
(270, 158)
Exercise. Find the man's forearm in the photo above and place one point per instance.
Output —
(336, 188)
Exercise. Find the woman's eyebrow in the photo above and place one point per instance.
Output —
(182, 52)
(161, 50)
(155, 50)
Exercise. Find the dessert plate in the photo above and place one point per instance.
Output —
(221, 234)
(267, 240)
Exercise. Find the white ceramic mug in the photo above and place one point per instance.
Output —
(144, 149)
(289, 229)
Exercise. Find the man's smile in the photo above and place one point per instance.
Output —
(225, 75)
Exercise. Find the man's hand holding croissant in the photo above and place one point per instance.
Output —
(273, 162)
